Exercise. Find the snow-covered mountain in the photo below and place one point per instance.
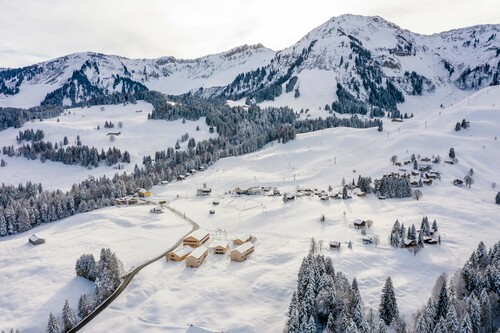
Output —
(362, 63)
(78, 77)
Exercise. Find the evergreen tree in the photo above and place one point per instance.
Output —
(474, 311)
(452, 320)
(84, 306)
(68, 317)
(53, 325)
(451, 153)
(486, 311)
(388, 307)
(443, 302)
(466, 326)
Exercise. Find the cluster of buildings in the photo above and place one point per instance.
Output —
(194, 248)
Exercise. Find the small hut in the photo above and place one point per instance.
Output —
(35, 240)
(334, 245)
(358, 224)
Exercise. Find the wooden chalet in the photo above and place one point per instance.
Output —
(288, 197)
(458, 182)
(180, 253)
(409, 243)
(334, 245)
(143, 193)
(196, 258)
(35, 240)
(367, 240)
(241, 239)
(181, 177)
(427, 182)
(220, 246)
(156, 210)
(430, 240)
(242, 252)
(196, 238)
(358, 224)
(203, 192)
(361, 194)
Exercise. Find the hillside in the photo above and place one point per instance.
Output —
(253, 296)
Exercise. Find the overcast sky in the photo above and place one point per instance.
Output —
(36, 30)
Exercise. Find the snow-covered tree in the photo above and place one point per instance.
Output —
(466, 326)
(68, 317)
(53, 325)
(388, 307)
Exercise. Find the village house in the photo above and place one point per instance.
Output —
(358, 224)
(458, 182)
(409, 243)
(427, 181)
(143, 193)
(180, 253)
(220, 246)
(196, 258)
(334, 245)
(242, 239)
(242, 252)
(156, 210)
(35, 240)
(181, 177)
(430, 240)
(204, 191)
(196, 238)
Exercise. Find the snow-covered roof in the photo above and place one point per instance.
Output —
(198, 234)
(243, 237)
(244, 247)
(219, 242)
(198, 252)
(141, 190)
(358, 221)
(182, 251)
(34, 238)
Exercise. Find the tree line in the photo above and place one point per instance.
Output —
(325, 301)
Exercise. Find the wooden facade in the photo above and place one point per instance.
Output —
(242, 252)
(196, 238)
(180, 253)
(220, 246)
(196, 258)
(241, 239)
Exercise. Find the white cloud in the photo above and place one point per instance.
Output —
(36, 30)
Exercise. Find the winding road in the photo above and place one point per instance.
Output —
(130, 275)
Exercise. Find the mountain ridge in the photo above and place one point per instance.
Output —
(365, 59)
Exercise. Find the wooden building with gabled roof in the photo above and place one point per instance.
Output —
(242, 252)
(196, 238)
(196, 258)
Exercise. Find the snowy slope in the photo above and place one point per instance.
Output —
(253, 296)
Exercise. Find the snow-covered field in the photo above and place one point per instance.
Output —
(139, 136)
(253, 296)
(36, 280)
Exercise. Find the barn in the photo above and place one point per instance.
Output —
(242, 252)
(196, 238)
(195, 258)
(35, 240)
(180, 253)
(242, 239)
